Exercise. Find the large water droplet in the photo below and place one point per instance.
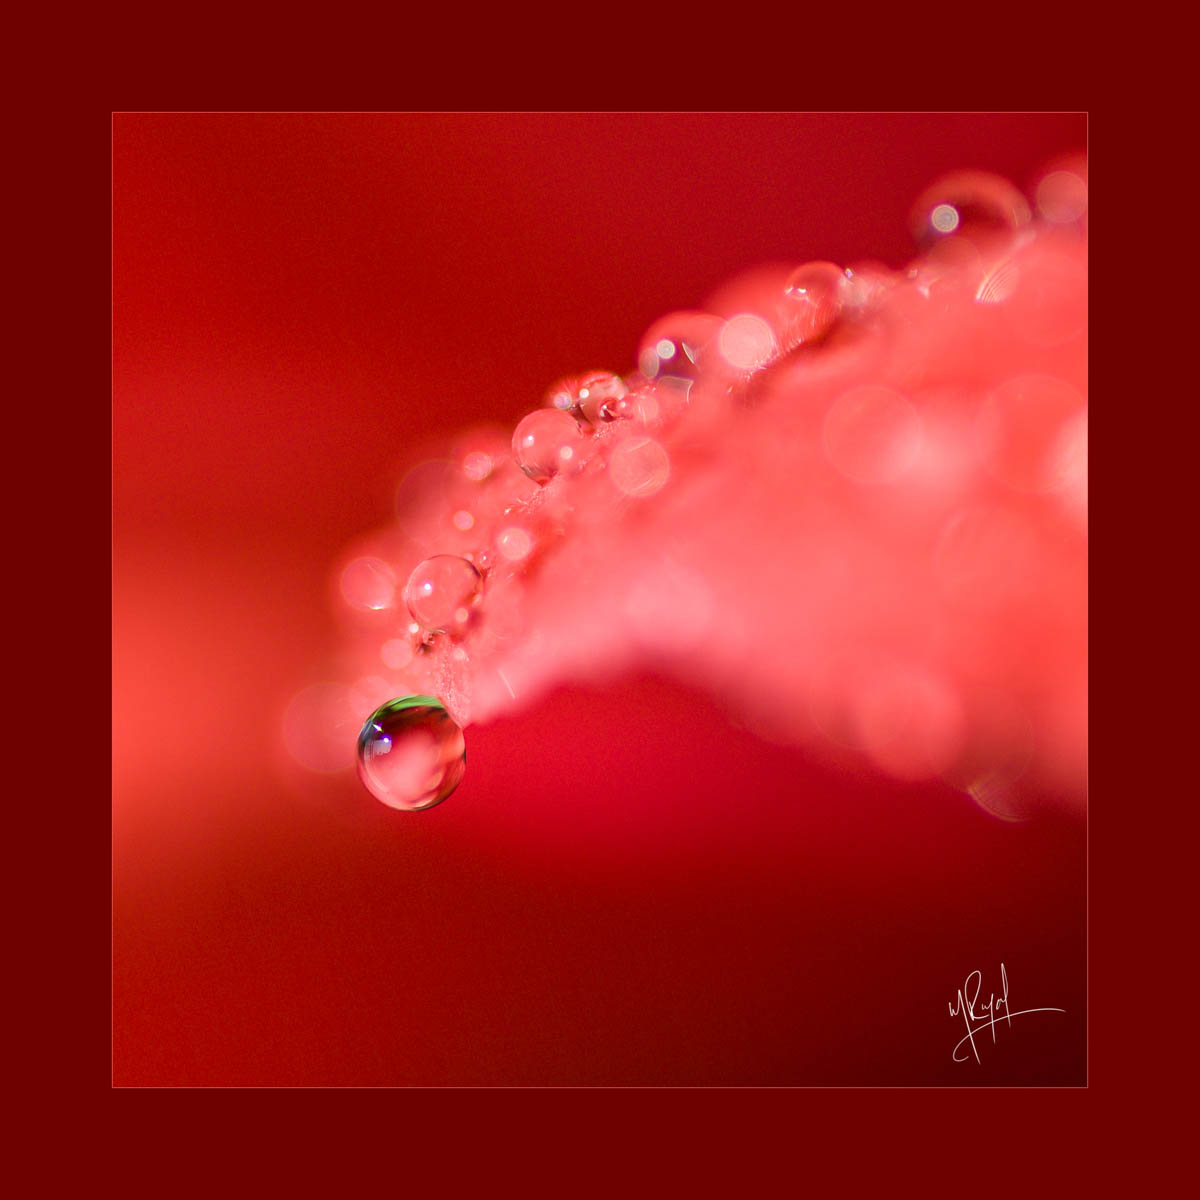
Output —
(411, 754)
(441, 592)
(549, 442)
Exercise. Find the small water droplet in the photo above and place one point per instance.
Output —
(440, 590)
(968, 202)
(655, 406)
(549, 442)
(813, 299)
(411, 753)
(591, 397)
(866, 284)
(674, 345)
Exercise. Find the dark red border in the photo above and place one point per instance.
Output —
(944, 1124)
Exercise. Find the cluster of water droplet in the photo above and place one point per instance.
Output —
(483, 520)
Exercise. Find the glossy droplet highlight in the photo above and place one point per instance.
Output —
(872, 435)
(442, 591)
(549, 442)
(411, 753)
(967, 202)
(1023, 428)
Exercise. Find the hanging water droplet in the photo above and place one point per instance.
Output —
(442, 591)
(411, 753)
(549, 442)
(968, 202)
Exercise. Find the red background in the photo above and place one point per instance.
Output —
(627, 888)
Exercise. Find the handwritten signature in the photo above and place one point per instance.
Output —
(980, 1016)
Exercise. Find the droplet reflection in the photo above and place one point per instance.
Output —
(411, 754)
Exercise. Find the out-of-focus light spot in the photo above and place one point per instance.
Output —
(1067, 466)
(1020, 431)
(944, 218)
(986, 558)
(1049, 305)
(514, 543)
(368, 583)
(396, 653)
(477, 465)
(872, 435)
(369, 692)
(997, 755)
(639, 467)
(421, 494)
(320, 725)
(665, 350)
(747, 342)
(910, 723)
(463, 520)
(1062, 197)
